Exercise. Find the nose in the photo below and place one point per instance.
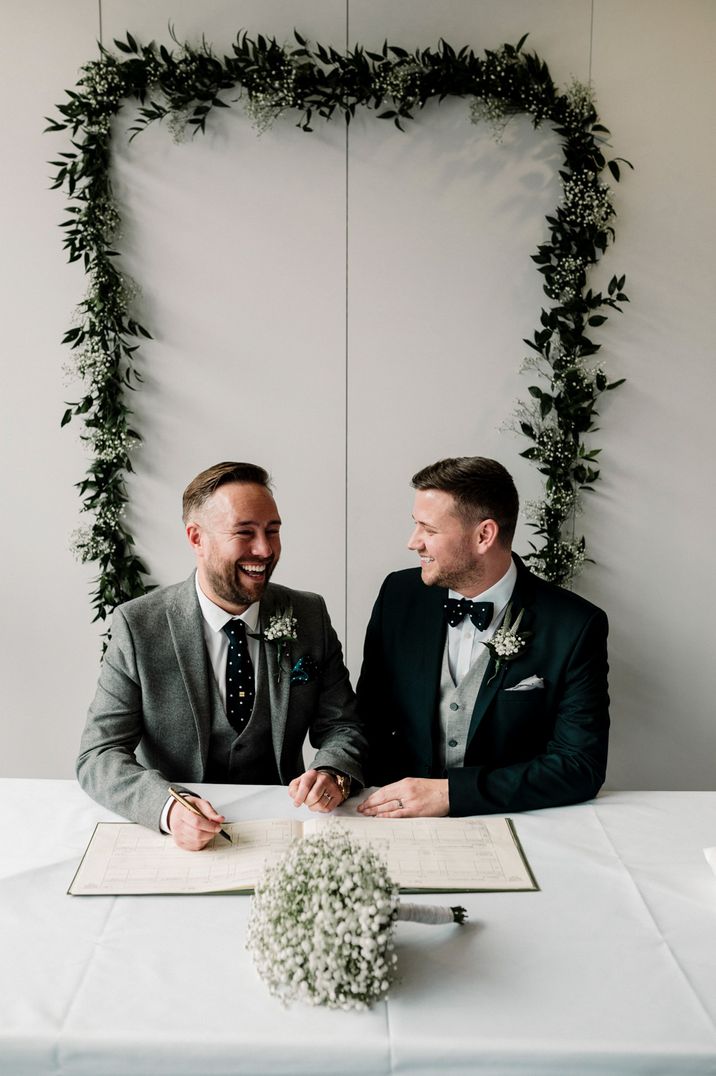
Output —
(261, 546)
(415, 542)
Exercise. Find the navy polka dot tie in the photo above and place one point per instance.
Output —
(240, 689)
(480, 613)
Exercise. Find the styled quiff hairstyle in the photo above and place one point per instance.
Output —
(482, 489)
(201, 488)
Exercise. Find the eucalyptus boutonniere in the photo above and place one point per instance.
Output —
(507, 643)
(281, 630)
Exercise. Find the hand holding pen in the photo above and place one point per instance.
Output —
(197, 824)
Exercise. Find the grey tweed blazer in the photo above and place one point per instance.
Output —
(150, 720)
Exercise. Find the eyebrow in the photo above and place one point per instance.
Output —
(255, 523)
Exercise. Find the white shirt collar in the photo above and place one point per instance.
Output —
(499, 593)
(216, 617)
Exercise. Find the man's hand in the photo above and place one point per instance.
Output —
(413, 797)
(318, 790)
(190, 831)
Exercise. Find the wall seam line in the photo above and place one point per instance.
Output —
(345, 404)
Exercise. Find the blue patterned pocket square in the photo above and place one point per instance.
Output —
(304, 671)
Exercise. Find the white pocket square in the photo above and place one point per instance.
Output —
(529, 684)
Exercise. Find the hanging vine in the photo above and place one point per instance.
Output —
(183, 87)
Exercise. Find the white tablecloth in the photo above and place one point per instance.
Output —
(609, 969)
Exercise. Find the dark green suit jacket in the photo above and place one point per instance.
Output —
(543, 747)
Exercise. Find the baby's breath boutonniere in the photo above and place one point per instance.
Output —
(281, 630)
(507, 643)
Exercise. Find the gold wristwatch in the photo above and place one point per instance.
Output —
(344, 784)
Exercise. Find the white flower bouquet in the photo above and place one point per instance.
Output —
(322, 920)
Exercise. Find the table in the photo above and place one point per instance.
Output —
(609, 969)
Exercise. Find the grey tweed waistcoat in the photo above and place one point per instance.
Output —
(457, 701)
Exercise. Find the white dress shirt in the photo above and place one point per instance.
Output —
(464, 641)
(217, 645)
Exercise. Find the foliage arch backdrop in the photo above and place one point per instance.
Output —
(183, 87)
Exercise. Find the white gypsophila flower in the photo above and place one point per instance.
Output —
(554, 449)
(580, 99)
(562, 561)
(586, 201)
(98, 539)
(566, 279)
(401, 82)
(278, 92)
(177, 120)
(558, 504)
(282, 627)
(508, 642)
(102, 82)
(91, 363)
(108, 444)
(493, 111)
(322, 922)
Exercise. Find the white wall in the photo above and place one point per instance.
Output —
(345, 307)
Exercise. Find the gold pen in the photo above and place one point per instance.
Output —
(180, 798)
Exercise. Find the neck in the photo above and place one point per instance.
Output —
(491, 574)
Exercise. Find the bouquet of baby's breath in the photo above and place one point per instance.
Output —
(322, 920)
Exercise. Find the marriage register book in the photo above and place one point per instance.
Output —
(423, 854)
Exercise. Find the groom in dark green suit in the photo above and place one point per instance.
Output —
(221, 678)
(483, 688)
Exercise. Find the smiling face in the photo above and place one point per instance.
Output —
(466, 557)
(236, 538)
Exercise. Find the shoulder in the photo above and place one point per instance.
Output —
(152, 607)
(279, 599)
(559, 602)
(406, 583)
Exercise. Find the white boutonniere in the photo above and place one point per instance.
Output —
(507, 643)
(281, 630)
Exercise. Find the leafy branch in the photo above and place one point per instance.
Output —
(182, 87)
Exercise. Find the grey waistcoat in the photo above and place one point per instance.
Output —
(456, 705)
(247, 759)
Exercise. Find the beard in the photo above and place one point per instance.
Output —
(462, 574)
(234, 586)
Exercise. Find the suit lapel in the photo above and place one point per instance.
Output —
(279, 686)
(427, 641)
(187, 633)
(522, 598)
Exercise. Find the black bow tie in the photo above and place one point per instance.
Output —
(480, 613)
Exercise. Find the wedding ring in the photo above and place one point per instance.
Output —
(326, 795)
(400, 805)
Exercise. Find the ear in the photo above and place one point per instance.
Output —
(193, 534)
(487, 534)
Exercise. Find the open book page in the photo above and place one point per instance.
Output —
(443, 854)
(126, 858)
(432, 854)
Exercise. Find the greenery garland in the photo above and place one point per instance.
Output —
(183, 87)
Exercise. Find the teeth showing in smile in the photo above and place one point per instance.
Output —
(427, 560)
(253, 569)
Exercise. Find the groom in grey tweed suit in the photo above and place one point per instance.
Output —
(159, 713)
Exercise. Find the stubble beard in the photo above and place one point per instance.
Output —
(460, 577)
(228, 583)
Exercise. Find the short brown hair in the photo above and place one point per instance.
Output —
(482, 488)
(201, 488)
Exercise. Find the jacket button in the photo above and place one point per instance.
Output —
(453, 743)
(454, 706)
